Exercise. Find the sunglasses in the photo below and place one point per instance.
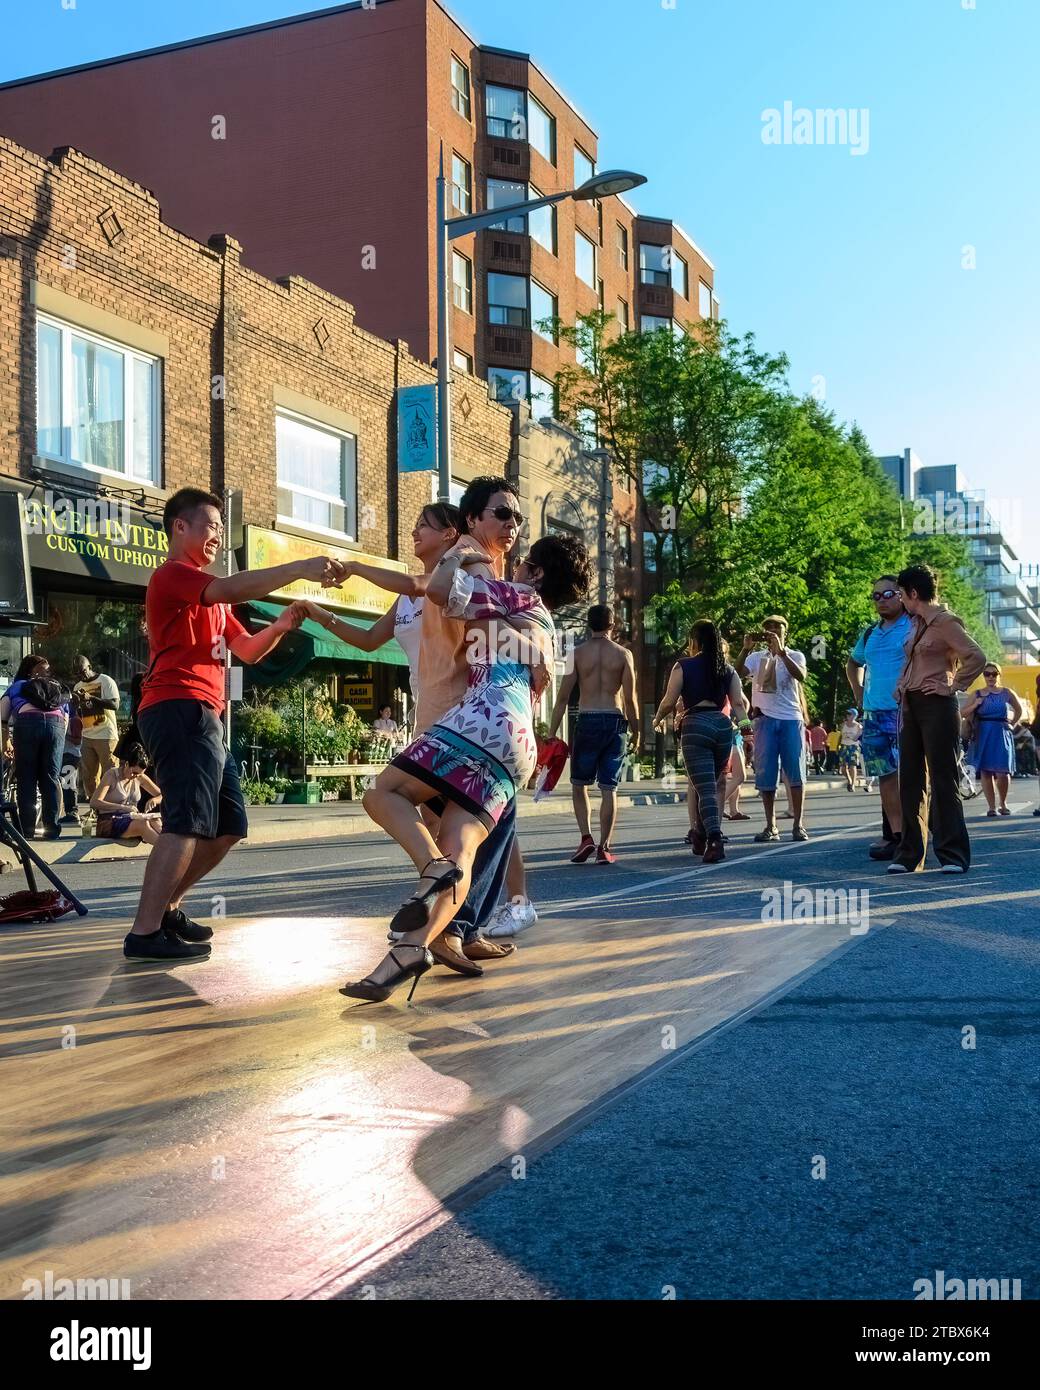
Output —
(884, 593)
(991, 675)
(505, 514)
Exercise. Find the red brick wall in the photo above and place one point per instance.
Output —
(163, 281)
(152, 276)
(324, 151)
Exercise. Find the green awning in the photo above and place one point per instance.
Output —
(310, 642)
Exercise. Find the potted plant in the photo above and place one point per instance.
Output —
(279, 785)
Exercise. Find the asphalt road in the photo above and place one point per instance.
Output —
(875, 1123)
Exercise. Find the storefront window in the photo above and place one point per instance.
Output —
(107, 630)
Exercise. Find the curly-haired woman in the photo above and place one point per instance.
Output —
(475, 757)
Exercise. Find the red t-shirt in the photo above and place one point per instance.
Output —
(184, 635)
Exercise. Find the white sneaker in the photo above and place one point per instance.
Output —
(511, 919)
(952, 869)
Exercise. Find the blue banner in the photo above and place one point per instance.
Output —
(417, 429)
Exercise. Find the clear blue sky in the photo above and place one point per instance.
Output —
(852, 264)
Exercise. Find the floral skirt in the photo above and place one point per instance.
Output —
(481, 750)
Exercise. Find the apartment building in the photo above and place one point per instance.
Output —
(942, 500)
(315, 143)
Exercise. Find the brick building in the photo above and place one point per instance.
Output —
(135, 360)
(314, 141)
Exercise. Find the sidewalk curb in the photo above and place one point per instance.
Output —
(272, 825)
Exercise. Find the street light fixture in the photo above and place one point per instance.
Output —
(604, 185)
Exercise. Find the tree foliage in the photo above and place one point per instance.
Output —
(751, 499)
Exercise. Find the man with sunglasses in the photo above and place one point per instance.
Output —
(873, 668)
(491, 516)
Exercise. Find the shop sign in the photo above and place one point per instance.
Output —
(359, 693)
(97, 537)
(267, 548)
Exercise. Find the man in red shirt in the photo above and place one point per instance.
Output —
(190, 628)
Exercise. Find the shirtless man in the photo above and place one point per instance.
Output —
(606, 705)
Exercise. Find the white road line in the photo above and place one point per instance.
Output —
(572, 905)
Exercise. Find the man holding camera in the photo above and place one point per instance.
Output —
(777, 674)
(96, 697)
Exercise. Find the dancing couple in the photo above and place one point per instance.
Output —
(467, 766)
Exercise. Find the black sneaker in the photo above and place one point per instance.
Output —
(162, 945)
(884, 849)
(70, 820)
(54, 833)
(174, 920)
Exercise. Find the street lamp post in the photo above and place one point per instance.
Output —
(603, 185)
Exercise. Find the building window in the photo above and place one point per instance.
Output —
(714, 307)
(600, 296)
(543, 312)
(456, 487)
(585, 259)
(507, 299)
(556, 526)
(542, 224)
(97, 402)
(624, 544)
(461, 282)
(462, 360)
(680, 275)
(584, 168)
(622, 246)
(504, 112)
(461, 184)
(460, 86)
(541, 129)
(588, 428)
(623, 619)
(501, 193)
(317, 474)
(653, 264)
(622, 315)
(704, 299)
(585, 358)
(542, 396)
(650, 323)
(507, 386)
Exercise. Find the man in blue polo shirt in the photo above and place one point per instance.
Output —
(874, 667)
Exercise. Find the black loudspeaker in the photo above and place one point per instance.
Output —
(16, 591)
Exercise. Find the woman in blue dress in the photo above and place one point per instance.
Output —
(992, 750)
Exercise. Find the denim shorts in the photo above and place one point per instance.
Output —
(598, 748)
(198, 777)
(779, 744)
(880, 742)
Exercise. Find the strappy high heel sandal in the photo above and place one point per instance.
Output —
(391, 973)
(414, 912)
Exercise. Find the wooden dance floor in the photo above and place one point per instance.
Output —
(237, 1129)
